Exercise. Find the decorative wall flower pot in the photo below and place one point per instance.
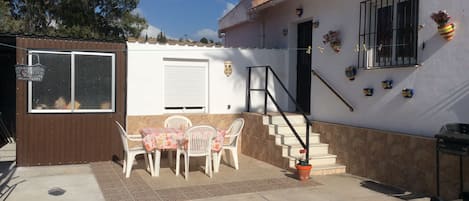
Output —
(387, 84)
(368, 91)
(303, 171)
(445, 28)
(407, 93)
(447, 31)
(332, 37)
(351, 72)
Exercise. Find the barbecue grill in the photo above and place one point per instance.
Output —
(453, 139)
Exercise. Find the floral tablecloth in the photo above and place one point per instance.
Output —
(168, 138)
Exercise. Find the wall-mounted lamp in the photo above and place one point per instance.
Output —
(228, 68)
(316, 24)
(299, 12)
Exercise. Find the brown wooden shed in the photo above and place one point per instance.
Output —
(68, 118)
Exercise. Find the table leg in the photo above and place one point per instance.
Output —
(157, 163)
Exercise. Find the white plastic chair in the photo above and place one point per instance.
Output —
(132, 147)
(232, 135)
(178, 122)
(197, 142)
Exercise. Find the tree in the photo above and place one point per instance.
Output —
(161, 38)
(7, 21)
(99, 19)
(204, 40)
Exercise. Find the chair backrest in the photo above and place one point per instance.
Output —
(235, 130)
(200, 140)
(123, 135)
(178, 121)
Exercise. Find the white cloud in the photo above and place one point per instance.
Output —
(229, 7)
(207, 33)
(151, 31)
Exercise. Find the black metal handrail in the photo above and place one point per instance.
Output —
(333, 90)
(268, 94)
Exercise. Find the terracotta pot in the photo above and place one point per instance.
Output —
(303, 172)
(447, 31)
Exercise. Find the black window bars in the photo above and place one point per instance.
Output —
(388, 33)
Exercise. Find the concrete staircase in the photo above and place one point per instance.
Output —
(323, 163)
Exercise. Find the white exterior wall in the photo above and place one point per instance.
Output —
(145, 81)
(441, 84)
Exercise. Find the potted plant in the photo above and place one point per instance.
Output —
(332, 37)
(351, 72)
(303, 167)
(445, 28)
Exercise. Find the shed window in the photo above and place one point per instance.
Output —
(185, 86)
(388, 33)
(73, 82)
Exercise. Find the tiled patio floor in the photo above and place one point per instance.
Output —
(253, 176)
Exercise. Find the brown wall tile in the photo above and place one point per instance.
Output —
(397, 159)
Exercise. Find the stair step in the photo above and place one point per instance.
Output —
(328, 169)
(284, 129)
(323, 163)
(315, 160)
(314, 149)
(279, 120)
(291, 139)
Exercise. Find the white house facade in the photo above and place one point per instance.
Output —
(438, 77)
(404, 75)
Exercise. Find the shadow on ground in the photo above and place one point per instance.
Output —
(7, 170)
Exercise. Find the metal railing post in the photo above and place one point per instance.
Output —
(266, 85)
(248, 92)
(307, 142)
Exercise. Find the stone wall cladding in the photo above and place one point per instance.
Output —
(257, 142)
(396, 159)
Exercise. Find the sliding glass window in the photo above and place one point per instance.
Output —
(74, 82)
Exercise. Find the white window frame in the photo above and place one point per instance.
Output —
(186, 62)
(72, 84)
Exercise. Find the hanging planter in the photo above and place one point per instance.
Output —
(33, 72)
(351, 72)
(387, 84)
(445, 28)
(407, 93)
(368, 91)
(332, 37)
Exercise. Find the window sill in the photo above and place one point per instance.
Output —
(393, 67)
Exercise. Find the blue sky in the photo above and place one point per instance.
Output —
(177, 18)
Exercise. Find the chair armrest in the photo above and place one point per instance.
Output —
(228, 135)
(135, 137)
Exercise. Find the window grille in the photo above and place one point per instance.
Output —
(388, 33)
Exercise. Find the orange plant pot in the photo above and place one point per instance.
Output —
(303, 171)
(447, 31)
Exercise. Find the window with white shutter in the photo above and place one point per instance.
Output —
(185, 86)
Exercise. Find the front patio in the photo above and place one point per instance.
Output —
(255, 180)
(253, 176)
